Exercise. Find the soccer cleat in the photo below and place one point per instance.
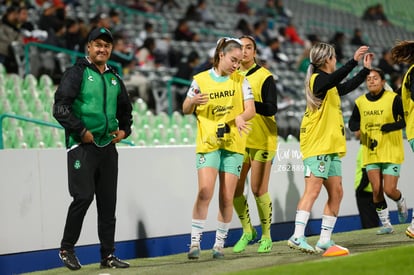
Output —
(336, 250)
(322, 247)
(265, 245)
(385, 230)
(113, 262)
(409, 232)
(69, 259)
(301, 244)
(245, 239)
(194, 252)
(402, 211)
(218, 252)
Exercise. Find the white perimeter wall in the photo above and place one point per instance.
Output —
(157, 188)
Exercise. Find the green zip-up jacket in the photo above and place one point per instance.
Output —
(88, 100)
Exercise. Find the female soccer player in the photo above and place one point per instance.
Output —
(403, 52)
(379, 116)
(322, 139)
(222, 100)
(260, 150)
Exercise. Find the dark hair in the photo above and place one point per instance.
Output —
(251, 38)
(113, 12)
(148, 25)
(403, 52)
(379, 71)
(385, 51)
(69, 22)
(12, 8)
(149, 43)
(58, 26)
(117, 37)
(192, 56)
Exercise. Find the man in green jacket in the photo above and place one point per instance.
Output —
(93, 106)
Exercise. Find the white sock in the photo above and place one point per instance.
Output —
(328, 224)
(197, 227)
(400, 201)
(384, 217)
(301, 220)
(221, 234)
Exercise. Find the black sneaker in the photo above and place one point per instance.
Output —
(113, 262)
(69, 259)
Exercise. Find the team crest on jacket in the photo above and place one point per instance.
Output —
(321, 167)
(113, 81)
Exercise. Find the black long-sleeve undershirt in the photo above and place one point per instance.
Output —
(268, 106)
(324, 81)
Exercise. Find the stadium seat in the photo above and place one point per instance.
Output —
(45, 81)
(29, 82)
(140, 106)
(13, 81)
(176, 118)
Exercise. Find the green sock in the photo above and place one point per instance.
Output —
(242, 210)
(264, 206)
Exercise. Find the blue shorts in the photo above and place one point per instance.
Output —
(222, 160)
(323, 166)
(385, 168)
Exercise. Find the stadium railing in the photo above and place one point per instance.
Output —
(73, 55)
(170, 83)
(35, 121)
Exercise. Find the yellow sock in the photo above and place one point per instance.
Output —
(242, 210)
(264, 206)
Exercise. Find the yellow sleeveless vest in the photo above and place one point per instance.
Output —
(408, 106)
(216, 119)
(322, 131)
(264, 130)
(379, 147)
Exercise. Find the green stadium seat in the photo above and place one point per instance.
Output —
(5, 106)
(13, 81)
(29, 82)
(162, 118)
(140, 106)
(150, 118)
(19, 139)
(176, 118)
(46, 94)
(45, 81)
(57, 138)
